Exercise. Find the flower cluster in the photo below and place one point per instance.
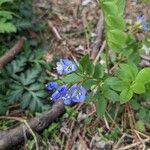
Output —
(143, 24)
(74, 94)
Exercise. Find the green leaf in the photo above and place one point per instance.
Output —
(109, 7)
(90, 97)
(101, 105)
(115, 22)
(90, 68)
(72, 78)
(134, 104)
(33, 105)
(41, 94)
(111, 95)
(5, 14)
(142, 113)
(126, 72)
(121, 6)
(138, 88)
(26, 99)
(88, 83)
(7, 27)
(126, 95)
(15, 95)
(116, 84)
(114, 46)
(117, 36)
(29, 76)
(3, 105)
(5, 1)
(139, 125)
(143, 76)
(99, 71)
(83, 61)
(36, 86)
(36, 105)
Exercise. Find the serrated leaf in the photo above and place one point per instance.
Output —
(35, 105)
(7, 27)
(15, 86)
(72, 78)
(5, 14)
(30, 76)
(14, 96)
(3, 105)
(41, 93)
(36, 87)
(126, 95)
(26, 99)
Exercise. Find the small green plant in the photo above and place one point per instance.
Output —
(6, 26)
(23, 81)
(128, 80)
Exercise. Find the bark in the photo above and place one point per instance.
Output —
(8, 56)
(17, 135)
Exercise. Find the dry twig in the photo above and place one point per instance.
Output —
(99, 30)
(54, 30)
(8, 56)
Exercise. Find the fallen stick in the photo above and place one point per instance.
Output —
(54, 30)
(99, 31)
(17, 135)
(8, 56)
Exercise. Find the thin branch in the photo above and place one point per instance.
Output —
(8, 56)
(15, 136)
(133, 145)
(99, 31)
(54, 30)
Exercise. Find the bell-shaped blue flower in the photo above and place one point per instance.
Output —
(65, 66)
(59, 93)
(78, 93)
(51, 85)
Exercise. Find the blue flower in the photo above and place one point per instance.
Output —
(67, 99)
(65, 66)
(78, 93)
(141, 20)
(59, 93)
(51, 85)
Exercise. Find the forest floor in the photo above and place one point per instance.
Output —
(71, 32)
